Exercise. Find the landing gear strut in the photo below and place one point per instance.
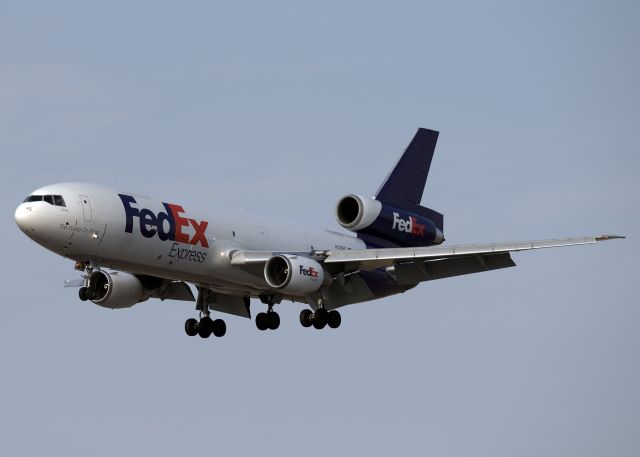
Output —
(206, 326)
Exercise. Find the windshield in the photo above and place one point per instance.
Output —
(55, 200)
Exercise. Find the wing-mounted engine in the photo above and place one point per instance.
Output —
(115, 289)
(387, 225)
(295, 275)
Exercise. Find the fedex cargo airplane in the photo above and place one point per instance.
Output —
(133, 247)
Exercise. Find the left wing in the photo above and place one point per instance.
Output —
(413, 265)
(371, 259)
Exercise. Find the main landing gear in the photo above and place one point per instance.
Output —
(269, 320)
(320, 318)
(206, 326)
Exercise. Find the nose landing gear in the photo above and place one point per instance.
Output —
(86, 293)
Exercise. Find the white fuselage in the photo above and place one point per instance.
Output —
(95, 225)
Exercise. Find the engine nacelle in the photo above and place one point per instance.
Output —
(389, 225)
(116, 289)
(294, 274)
(354, 212)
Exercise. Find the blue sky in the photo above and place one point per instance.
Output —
(281, 108)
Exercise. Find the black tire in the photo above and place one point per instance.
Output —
(191, 327)
(262, 321)
(82, 293)
(90, 293)
(334, 319)
(219, 328)
(205, 327)
(274, 320)
(320, 318)
(305, 317)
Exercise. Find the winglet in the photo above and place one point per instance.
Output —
(610, 237)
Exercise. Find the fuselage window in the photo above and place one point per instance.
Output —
(48, 199)
(33, 198)
(59, 201)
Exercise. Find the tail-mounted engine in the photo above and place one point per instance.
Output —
(388, 225)
(294, 274)
(355, 213)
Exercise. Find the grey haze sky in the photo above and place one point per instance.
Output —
(281, 108)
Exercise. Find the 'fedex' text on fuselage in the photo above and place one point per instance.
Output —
(152, 224)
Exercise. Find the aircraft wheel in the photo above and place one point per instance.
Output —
(82, 293)
(219, 327)
(89, 293)
(320, 318)
(205, 327)
(191, 327)
(274, 320)
(334, 319)
(262, 321)
(305, 317)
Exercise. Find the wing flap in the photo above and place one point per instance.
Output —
(419, 271)
(229, 304)
(174, 290)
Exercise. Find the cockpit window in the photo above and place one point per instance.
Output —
(59, 201)
(56, 200)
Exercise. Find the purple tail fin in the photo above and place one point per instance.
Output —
(404, 186)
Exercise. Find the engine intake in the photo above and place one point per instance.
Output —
(354, 212)
(294, 274)
(116, 289)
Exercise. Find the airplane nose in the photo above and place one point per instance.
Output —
(22, 217)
